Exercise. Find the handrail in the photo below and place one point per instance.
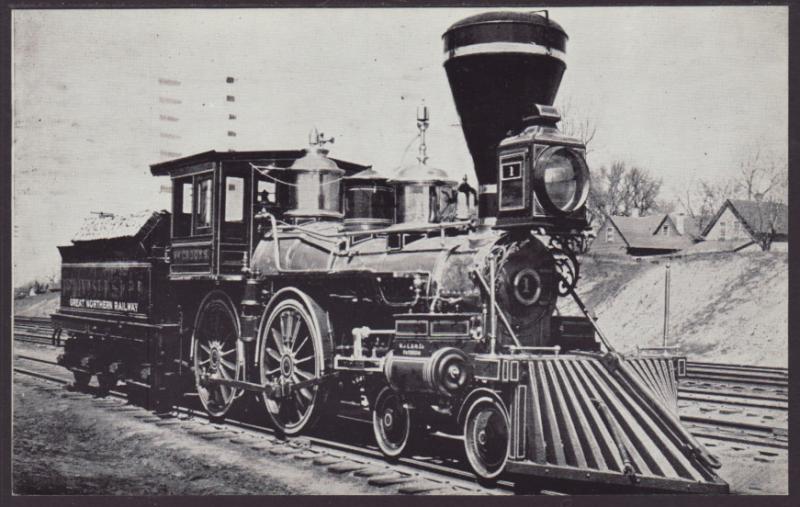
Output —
(500, 313)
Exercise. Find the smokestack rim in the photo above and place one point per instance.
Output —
(505, 27)
(496, 17)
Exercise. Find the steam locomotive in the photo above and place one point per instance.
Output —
(316, 282)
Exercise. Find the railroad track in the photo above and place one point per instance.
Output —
(351, 457)
(758, 378)
(716, 388)
(36, 330)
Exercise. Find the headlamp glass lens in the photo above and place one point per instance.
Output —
(561, 180)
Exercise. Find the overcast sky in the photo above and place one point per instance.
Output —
(683, 92)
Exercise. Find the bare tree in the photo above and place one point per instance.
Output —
(702, 199)
(761, 177)
(640, 190)
(576, 125)
(620, 190)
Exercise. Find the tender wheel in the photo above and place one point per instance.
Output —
(291, 351)
(81, 379)
(391, 423)
(105, 382)
(486, 438)
(216, 353)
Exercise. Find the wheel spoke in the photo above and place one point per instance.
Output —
(227, 353)
(304, 374)
(206, 349)
(295, 332)
(277, 339)
(227, 364)
(290, 325)
(298, 361)
(274, 370)
(273, 354)
(201, 363)
(299, 406)
(295, 350)
(297, 393)
(306, 393)
(283, 318)
(303, 390)
(225, 374)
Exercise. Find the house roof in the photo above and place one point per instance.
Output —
(639, 232)
(761, 216)
(112, 226)
(758, 217)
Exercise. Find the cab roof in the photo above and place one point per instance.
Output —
(166, 167)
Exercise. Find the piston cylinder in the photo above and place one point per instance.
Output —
(445, 372)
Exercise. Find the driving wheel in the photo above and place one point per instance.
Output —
(291, 351)
(216, 353)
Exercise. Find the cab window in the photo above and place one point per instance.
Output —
(235, 214)
(182, 207)
(202, 215)
(266, 198)
(234, 199)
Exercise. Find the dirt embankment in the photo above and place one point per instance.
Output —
(40, 305)
(727, 307)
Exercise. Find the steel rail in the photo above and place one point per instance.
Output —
(764, 432)
(411, 463)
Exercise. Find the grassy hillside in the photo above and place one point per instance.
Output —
(724, 307)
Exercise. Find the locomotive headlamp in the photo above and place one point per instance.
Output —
(561, 179)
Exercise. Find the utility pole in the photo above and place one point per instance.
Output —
(666, 306)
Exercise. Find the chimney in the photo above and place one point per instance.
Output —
(680, 222)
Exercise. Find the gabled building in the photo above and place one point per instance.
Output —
(747, 225)
(639, 236)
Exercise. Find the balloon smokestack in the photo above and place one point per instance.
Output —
(499, 64)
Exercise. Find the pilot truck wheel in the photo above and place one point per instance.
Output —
(215, 352)
(391, 423)
(81, 379)
(292, 350)
(486, 438)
